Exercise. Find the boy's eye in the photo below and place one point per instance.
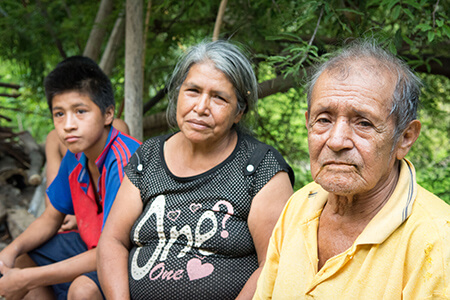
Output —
(58, 114)
(81, 111)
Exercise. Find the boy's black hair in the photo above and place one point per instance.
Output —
(80, 74)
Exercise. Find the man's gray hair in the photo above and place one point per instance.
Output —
(227, 58)
(405, 98)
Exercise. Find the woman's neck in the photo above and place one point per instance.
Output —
(185, 159)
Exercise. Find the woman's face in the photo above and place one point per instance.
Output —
(207, 105)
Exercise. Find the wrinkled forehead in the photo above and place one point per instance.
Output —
(367, 69)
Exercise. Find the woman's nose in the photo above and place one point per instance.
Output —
(202, 104)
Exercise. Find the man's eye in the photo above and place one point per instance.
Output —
(81, 111)
(58, 114)
(365, 124)
(323, 120)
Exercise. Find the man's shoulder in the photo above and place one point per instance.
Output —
(430, 216)
(430, 205)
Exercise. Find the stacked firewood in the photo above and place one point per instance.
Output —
(21, 163)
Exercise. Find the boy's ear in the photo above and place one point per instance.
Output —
(109, 115)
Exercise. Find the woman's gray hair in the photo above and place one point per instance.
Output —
(227, 58)
(405, 98)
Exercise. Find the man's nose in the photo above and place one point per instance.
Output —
(340, 136)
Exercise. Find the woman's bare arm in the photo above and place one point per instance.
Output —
(114, 244)
(264, 212)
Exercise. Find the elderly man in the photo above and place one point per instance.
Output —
(364, 229)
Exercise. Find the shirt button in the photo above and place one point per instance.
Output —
(250, 168)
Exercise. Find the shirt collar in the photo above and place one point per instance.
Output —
(113, 133)
(395, 211)
(81, 157)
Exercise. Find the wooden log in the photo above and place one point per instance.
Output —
(9, 170)
(36, 158)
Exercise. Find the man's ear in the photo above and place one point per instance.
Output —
(408, 138)
(109, 115)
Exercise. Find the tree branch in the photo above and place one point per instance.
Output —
(93, 45)
(50, 27)
(434, 13)
(10, 85)
(219, 19)
(9, 95)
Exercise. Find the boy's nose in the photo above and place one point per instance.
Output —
(70, 122)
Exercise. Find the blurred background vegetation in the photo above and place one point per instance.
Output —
(283, 38)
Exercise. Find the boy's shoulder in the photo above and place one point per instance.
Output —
(121, 147)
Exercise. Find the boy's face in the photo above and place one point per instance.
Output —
(80, 123)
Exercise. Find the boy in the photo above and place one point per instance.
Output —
(81, 101)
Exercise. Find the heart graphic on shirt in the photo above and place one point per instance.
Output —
(173, 215)
(197, 270)
(194, 207)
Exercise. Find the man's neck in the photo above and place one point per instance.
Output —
(344, 218)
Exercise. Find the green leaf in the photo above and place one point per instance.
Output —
(396, 12)
(392, 48)
(350, 10)
(409, 13)
(391, 4)
(414, 4)
(423, 27)
(407, 40)
(431, 35)
(446, 29)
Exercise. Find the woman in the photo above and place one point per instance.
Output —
(199, 205)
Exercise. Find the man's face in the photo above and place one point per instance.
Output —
(350, 133)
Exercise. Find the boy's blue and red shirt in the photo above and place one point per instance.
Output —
(71, 192)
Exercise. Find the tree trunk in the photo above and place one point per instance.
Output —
(98, 32)
(114, 42)
(133, 67)
(219, 19)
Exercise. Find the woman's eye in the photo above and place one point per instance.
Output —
(220, 98)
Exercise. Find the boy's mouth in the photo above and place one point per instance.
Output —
(71, 138)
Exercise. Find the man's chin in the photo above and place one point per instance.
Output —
(339, 185)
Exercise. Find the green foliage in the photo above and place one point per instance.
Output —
(431, 152)
(283, 37)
